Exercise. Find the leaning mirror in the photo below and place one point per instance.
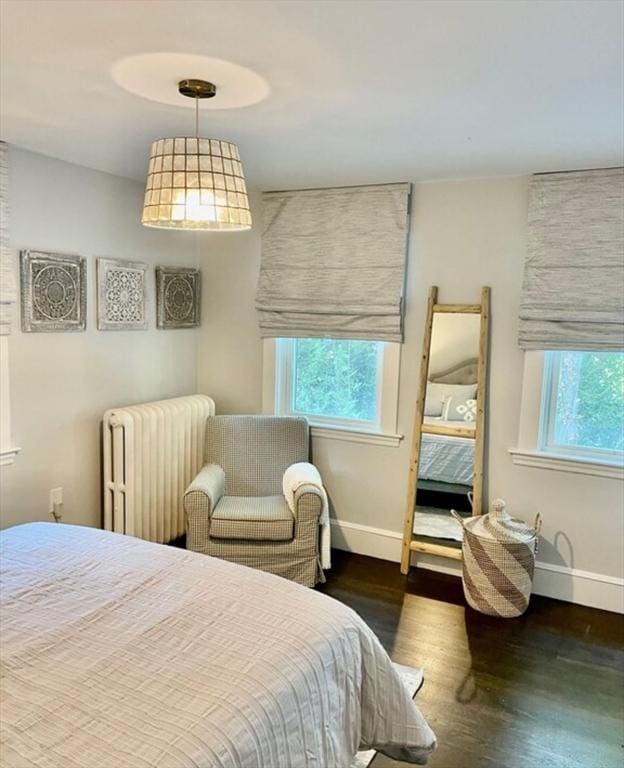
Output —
(446, 464)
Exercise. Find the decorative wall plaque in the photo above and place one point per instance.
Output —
(122, 295)
(54, 292)
(178, 297)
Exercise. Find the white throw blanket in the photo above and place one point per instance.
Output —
(296, 476)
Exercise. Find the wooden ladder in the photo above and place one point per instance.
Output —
(410, 544)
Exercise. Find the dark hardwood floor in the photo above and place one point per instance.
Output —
(545, 690)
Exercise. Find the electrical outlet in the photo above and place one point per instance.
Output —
(56, 503)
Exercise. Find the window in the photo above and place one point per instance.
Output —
(332, 380)
(8, 451)
(344, 384)
(582, 414)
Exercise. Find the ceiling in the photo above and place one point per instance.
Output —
(360, 90)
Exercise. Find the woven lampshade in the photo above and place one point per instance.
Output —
(195, 184)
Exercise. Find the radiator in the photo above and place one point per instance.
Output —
(151, 452)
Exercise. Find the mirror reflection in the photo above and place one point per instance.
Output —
(446, 461)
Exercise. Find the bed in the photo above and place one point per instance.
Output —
(446, 458)
(120, 653)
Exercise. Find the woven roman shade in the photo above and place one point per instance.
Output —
(8, 287)
(573, 290)
(333, 262)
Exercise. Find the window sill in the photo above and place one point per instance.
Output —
(325, 432)
(7, 457)
(559, 463)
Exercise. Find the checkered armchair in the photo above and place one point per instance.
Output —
(235, 508)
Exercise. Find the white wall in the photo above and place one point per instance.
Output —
(62, 382)
(454, 339)
(464, 235)
(230, 354)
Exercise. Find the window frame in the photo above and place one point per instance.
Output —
(277, 394)
(530, 451)
(8, 450)
(548, 413)
(285, 392)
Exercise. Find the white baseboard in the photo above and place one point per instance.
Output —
(582, 587)
(560, 582)
(366, 540)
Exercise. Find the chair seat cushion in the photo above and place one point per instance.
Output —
(252, 518)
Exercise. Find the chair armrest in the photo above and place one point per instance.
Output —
(308, 503)
(303, 489)
(206, 489)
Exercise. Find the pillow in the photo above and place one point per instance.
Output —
(438, 394)
(456, 409)
(433, 406)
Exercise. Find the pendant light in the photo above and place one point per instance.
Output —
(195, 183)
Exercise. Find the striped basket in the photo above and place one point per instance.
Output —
(498, 561)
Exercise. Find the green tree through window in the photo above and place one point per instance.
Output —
(590, 400)
(336, 378)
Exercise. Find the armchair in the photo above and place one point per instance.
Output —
(236, 508)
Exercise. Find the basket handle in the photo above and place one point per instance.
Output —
(537, 527)
(457, 517)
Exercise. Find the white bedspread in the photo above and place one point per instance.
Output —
(119, 653)
(447, 459)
